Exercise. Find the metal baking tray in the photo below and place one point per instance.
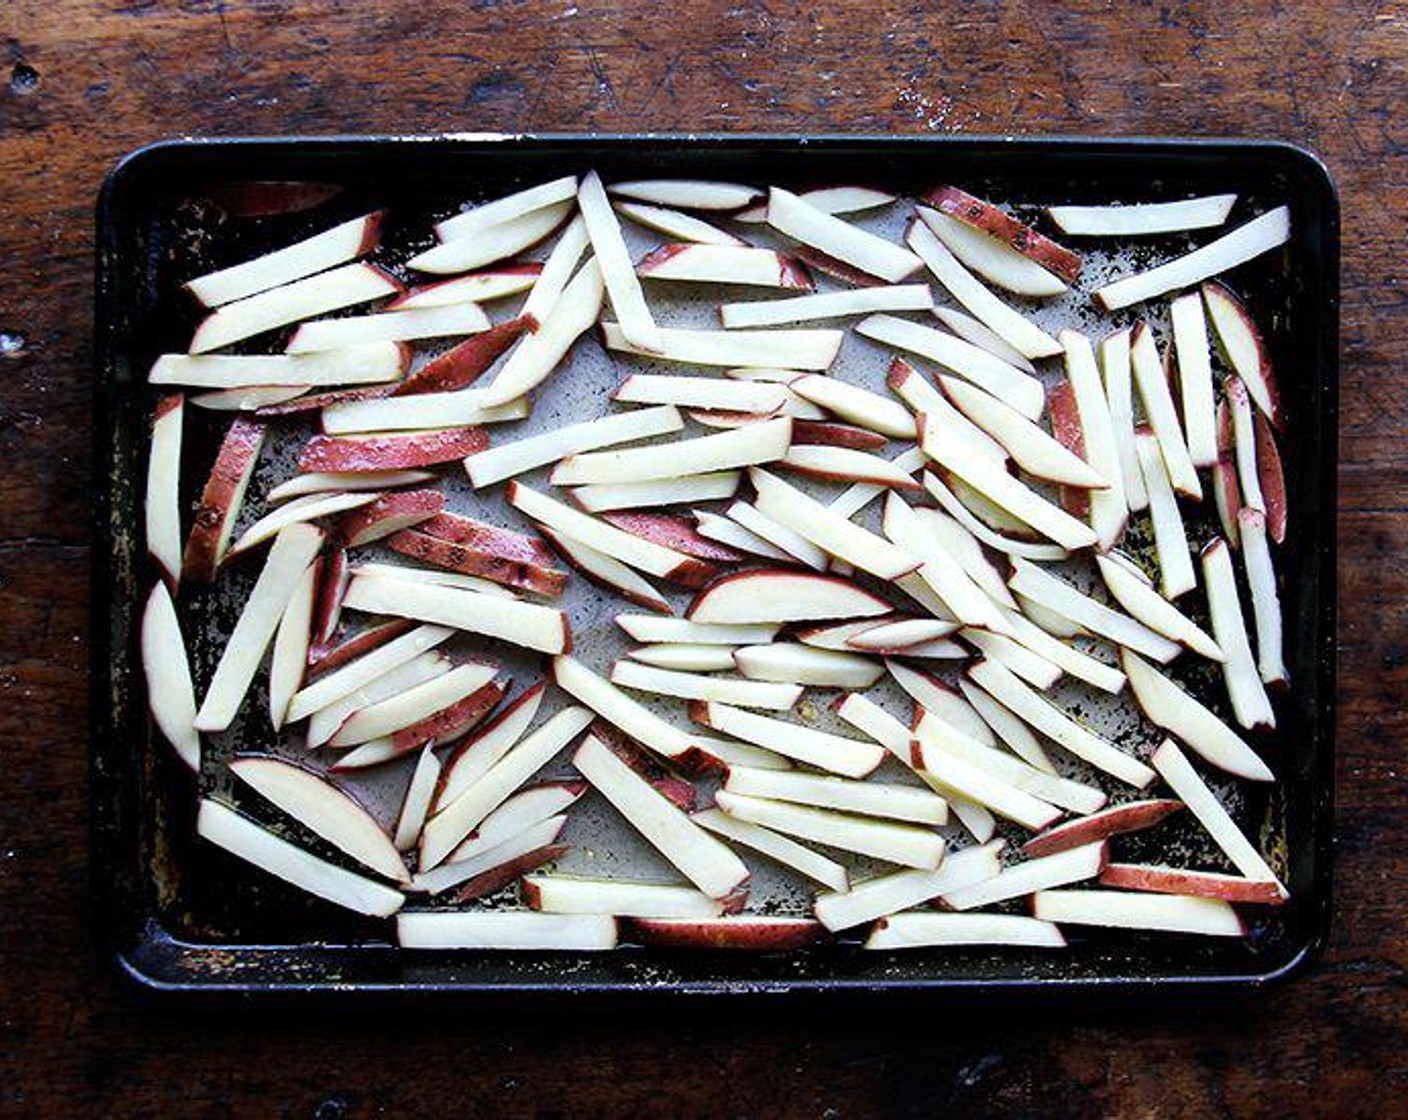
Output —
(178, 916)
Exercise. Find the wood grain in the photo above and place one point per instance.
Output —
(87, 82)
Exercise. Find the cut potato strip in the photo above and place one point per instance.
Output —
(983, 337)
(855, 498)
(444, 831)
(1250, 703)
(794, 663)
(388, 326)
(1109, 509)
(901, 890)
(476, 219)
(1136, 910)
(1115, 370)
(983, 533)
(873, 799)
(1170, 540)
(529, 625)
(1044, 588)
(990, 480)
(358, 364)
(1142, 219)
(302, 299)
(1021, 390)
(850, 758)
(662, 492)
(802, 349)
(1130, 588)
(725, 264)
(564, 894)
(1178, 713)
(906, 845)
(241, 837)
(701, 392)
(778, 848)
(1074, 865)
(801, 221)
(859, 406)
(419, 412)
(829, 305)
(637, 324)
(832, 200)
(325, 809)
(1190, 344)
(479, 287)
(1162, 413)
(742, 447)
(704, 860)
(1173, 766)
(170, 692)
(493, 243)
(1260, 235)
(649, 628)
(673, 223)
(686, 658)
(496, 464)
(688, 194)
(917, 931)
(1011, 326)
(314, 254)
(694, 686)
(991, 258)
(1266, 600)
(294, 549)
(1005, 688)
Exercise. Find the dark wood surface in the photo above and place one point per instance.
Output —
(87, 81)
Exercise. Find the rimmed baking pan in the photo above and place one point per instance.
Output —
(178, 916)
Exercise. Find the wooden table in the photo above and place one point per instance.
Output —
(88, 81)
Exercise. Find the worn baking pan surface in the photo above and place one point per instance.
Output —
(179, 915)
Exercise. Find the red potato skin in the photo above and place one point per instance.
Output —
(673, 532)
(388, 514)
(316, 401)
(1227, 490)
(477, 562)
(676, 791)
(829, 434)
(727, 935)
(238, 450)
(391, 452)
(493, 539)
(1067, 431)
(497, 878)
(331, 581)
(564, 549)
(263, 198)
(768, 573)
(1201, 884)
(736, 899)
(452, 723)
(1021, 237)
(532, 268)
(1214, 290)
(828, 265)
(1272, 477)
(168, 404)
(463, 364)
(464, 748)
(1132, 817)
(323, 659)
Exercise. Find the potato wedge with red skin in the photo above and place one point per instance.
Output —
(463, 364)
(327, 607)
(1272, 478)
(391, 451)
(782, 595)
(323, 658)
(830, 434)
(675, 532)
(750, 933)
(220, 500)
(475, 561)
(1116, 820)
(389, 514)
(1158, 879)
(1021, 237)
(499, 877)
